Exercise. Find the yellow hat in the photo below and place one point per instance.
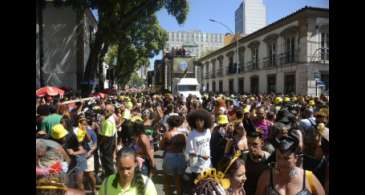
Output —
(136, 118)
(252, 98)
(312, 103)
(222, 119)
(278, 100)
(58, 131)
(286, 99)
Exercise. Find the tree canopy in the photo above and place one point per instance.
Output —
(131, 27)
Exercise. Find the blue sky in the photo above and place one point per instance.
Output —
(223, 11)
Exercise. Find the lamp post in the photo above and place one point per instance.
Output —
(236, 40)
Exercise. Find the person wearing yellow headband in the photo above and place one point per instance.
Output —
(80, 131)
(74, 149)
(232, 174)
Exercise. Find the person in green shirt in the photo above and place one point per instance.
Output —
(50, 120)
(128, 180)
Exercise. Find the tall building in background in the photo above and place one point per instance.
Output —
(250, 16)
(196, 42)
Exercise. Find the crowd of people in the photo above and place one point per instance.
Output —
(236, 145)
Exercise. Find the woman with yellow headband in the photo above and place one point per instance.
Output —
(235, 171)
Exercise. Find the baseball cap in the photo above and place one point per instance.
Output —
(222, 119)
(58, 131)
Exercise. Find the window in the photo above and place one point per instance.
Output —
(272, 53)
(213, 86)
(324, 46)
(271, 83)
(241, 87)
(231, 86)
(186, 87)
(254, 84)
(289, 49)
(325, 79)
(289, 83)
(230, 65)
(220, 86)
(241, 59)
(213, 71)
(255, 58)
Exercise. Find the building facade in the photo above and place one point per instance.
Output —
(65, 45)
(250, 16)
(196, 42)
(290, 55)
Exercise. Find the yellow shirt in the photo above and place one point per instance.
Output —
(110, 190)
(108, 127)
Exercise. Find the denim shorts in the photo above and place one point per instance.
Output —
(174, 163)
(81, 163)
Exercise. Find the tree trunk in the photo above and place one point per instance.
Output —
(100, 65)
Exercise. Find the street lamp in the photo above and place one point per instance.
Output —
(236, 40)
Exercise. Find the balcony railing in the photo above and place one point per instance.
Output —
(220, 72)
(270, 62)
(241, 67)
(321, 55)
(232, 69)
(289, 57)
(212, 74)
(252, 66)
(206, 75)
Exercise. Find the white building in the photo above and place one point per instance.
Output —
(284, 57)
(198, 43)
(250, 16)
(67, 36)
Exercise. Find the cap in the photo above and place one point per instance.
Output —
(311, 103)
(286, 99)
(58, 131)
(278, 100)
(222, 119)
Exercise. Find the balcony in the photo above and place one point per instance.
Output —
(252, 66)
(220, 72)
(270, 62)
(241, 67)
(289, 57)
(321, 55)
(231, 69)
(206, 75)
(212, 75)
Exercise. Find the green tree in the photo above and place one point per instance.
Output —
(135, 80)
(129, 24)
(120, 23)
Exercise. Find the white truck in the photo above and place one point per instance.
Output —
(187, 86)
